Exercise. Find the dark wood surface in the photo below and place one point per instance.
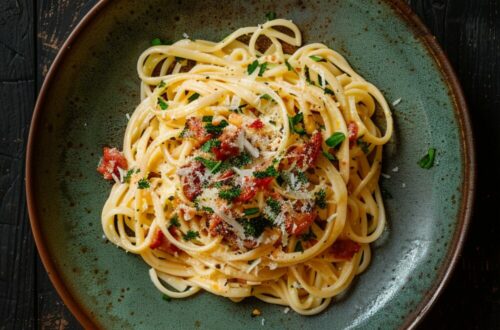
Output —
(32, 31)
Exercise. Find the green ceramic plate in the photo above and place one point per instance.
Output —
(93, 84)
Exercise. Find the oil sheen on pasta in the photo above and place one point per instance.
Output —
(252, 169)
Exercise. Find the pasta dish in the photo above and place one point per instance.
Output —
(250, 168)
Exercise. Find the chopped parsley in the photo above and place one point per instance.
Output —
(251, 211)
(255, 227)
(271, 15)
(158, 42)
(307, 75)
(230, 194)
(308, 236)
(207, 119)
(190, 235)
(298, 247)
(174, 221)
(268, 172)
(266, 97)
(296, 120)
(238, 161)
(299, 178)
(329, 91)
(207, 146)
(274, 205)
(320, 80)
(329, 156)
(262, 69)
(289, 67)
(316, 58)
(162, 84)
(428, 160)
(128, 176)
(336, 139)
(212, 165)
(251, 68)
(365, 146)
(166, 298)
(193, 97)
(320, 198)
(216, 129)
(163, 105)
(143, 183)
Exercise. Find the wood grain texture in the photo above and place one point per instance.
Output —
(17, 94)
(31, 32)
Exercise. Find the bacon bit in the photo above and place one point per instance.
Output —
(298, 223)
(257, 124)
(228, 147)
(198, 132)
(352, 129)
(251, 187)
(112, 160)
(344, 249)
(305, 155)
(160, 242)
(191, 183)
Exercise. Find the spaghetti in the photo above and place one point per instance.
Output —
(250, 168)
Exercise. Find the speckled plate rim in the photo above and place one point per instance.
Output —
(468, 158)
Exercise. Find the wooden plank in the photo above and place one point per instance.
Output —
(56, 20)
(17, 252)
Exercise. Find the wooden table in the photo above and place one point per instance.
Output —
(31, 33)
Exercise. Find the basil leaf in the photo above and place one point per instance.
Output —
(428, 160)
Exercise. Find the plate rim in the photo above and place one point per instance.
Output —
(468, 157)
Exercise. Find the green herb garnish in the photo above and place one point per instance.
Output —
(158, 42)
(294, 121)
(307, 75)
(143, 183)
(271, 15)
(428, 160)
(166, 298)
(266, 97)
(262, 69)
(268, 172)
(212, 165)
(251, 211)
(163, 105)
(274, 205)
(230, 194)
(251, 68)
(298, 247)
(216, 129)
(289, 67)
(174, 221)
(329, 156)
(190, 235)
(320, 198)
(207, 146)
(128, 176)
(316, 58)
(308, 236)
(207, 119)
(329, 91)
(336, 139)
(365, 146)
(193, 97)
(255, 227)
(162, 84)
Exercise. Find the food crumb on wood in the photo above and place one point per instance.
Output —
(256, 312)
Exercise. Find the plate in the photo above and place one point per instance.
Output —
(93, 84)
